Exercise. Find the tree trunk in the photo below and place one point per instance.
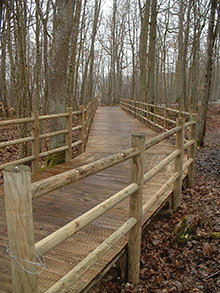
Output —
(206, 93)
(143, 48)
(58, 66)
(150, 92)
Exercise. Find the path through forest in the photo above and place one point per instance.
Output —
(189, 260)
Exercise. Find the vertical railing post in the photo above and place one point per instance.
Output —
(135, 210)
(155, 112)
(68, 152)
(192, 152)
(18, 204)
(142, 112)
(134, 108)
(165, 118)
(82, 131)
(148, 115)
(35, 143)
(87, 123)
(178, 165)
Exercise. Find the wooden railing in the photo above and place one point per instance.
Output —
(155, 116)
(19, 192)
(85, 114)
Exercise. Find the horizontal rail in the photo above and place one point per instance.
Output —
(16, 141)
(173, 110)
(77, 112)
(60, 149)
(161, 137)
(78, 142)
(159, 116)
(47, 185)
(77, 128)
(57, 237)
(65, 282)
(51, 134)
(17, 162)
(150, 174)
(190, 123)
(187, 164)
(188, 144)
(158, 125)
(53, 116)
(16, 121)
(148, 205)
(171, 121)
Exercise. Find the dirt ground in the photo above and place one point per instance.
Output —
(181, 253)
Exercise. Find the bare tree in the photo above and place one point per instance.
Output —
(150, 91)
(59, 63)
(206, 93)
(144, 15)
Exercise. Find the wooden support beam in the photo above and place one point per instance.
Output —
(82, 131)
(178, 166)
(35, 143)
(18, 203)
(165, 118)
(135, 210)
(68, 136)
(192, 152)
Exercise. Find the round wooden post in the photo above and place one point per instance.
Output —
(135, 210)
(68, 152)
(165, 118)
(18, 204)
(35, 144)
(86, 123)
(148, 115)
(155, 117)
(82, 131)
(192, 152)
(178, 165)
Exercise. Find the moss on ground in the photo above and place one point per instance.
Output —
(55, 159)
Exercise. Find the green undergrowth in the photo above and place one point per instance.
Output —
(185, 231)
(55, 159)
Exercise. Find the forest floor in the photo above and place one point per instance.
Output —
(181, 253)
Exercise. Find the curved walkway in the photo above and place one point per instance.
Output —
(110, 133)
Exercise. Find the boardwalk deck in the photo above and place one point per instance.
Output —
(110, 133)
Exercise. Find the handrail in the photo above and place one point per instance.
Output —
(161, 137)
(52, 183)
(153, 113)
(150, 174)
(51, 241)
(65, 282)
(86, 114)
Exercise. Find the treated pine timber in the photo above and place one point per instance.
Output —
(192, 152)
(68, 136)
(135, 209)
(178, 167)
(110, 133)
(35, 144)
(20, 226)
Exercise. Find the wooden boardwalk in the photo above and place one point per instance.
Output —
(110, 133)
